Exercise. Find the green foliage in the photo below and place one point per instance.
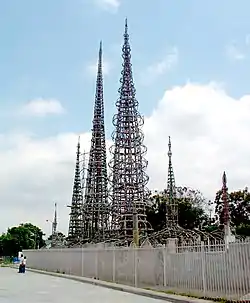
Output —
(191, 209)
(58, 235)
(239, 208)
(17, 238)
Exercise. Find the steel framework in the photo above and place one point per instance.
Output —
(171, 205)
(128, 177)
(225, 231)
(96, 208)
(226, 216)
(172, 229)
(75, 232)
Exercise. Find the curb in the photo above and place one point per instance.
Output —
(124, 288)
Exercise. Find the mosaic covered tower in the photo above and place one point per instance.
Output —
(75, 232)
(128, 178)
(96, 208)
(171, 205)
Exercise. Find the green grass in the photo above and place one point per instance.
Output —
(191, 295)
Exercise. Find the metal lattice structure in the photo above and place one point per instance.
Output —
(171, 205)
(226, 218)
(75, 232)
(224, 231)
(96, 208)
(173, 231)
(54, 224)
(128, 180)
(226, 213)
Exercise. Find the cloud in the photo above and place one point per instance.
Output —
(155, 70)
(41, 174)
(42, 107)
(109, 5)
(209, 131)
(92, 68)
(234, 53)
(247, 39)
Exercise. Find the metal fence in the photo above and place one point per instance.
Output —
(206, 270)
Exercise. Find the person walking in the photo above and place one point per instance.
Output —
(24, 264)
(21, 263)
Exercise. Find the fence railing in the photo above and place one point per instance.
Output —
(204, 270)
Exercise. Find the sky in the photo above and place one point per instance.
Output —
(191, 64)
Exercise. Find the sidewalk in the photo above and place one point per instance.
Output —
(138, 294)
(36, 288)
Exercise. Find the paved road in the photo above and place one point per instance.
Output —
(37, 288)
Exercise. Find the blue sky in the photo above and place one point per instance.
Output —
(48, 50)
(47, 46)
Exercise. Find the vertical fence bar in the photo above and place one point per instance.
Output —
(203, 269)
(113, 264)
(96, 264)
(82, 253)
(164, 267)
(136, 267)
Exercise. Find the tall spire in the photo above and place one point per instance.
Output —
(55, 220)
(76, 215)
(226, 216)
(171, 206)
(128, 164)
(96, 193)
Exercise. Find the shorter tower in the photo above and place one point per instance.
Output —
(226, 215)
(171, 203)
(75, 232)
(54, 224)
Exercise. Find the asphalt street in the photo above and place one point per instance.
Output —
(37, 288)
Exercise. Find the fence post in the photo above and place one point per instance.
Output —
(82, 252)
(203, 268)
(113, 267)
(96, 263)
(164, 267)
(136, 266)
(70, 261)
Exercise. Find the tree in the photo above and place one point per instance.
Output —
(239, 209)
(17, 238)
(191, 209)
(59, 235)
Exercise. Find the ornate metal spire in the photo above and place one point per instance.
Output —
(54, 225)
(226, 216)
(171, 205)
(96, 193)
(76, 215)
(128, 165)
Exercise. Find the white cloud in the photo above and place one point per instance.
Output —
(42, 107)
(167, 63)
(209, 131)
(234, 53)
(92, 68)
(247, 40)
(41, 174)
(109, 5)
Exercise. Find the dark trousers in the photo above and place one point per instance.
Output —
(21, 269)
